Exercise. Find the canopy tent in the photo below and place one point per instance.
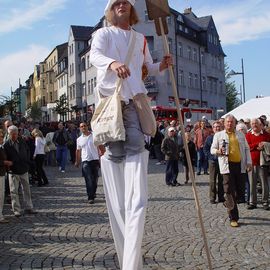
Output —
(253, 108)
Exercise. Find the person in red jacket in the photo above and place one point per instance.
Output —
(256, 139)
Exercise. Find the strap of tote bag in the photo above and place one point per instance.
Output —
(131, 45)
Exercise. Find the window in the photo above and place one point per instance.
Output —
(195, 55)
(181, 77)
(189, 53)
(180, 49)
(72, 69)
(202, 58)
(88, 61)
(196, 83)
(78, 46)
(70, 90)
(220, 86)
(54, 59)
(203, 83)
(74, 93)
(83, 64)
(170, 44)
(43, 101)
(95, 81)
(92, 87)
(88, 87)
(51, 96)
(190, 78)
(210, 38)
(169, 20)
(210, 81)
(179, 18)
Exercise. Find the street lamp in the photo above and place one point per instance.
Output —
(232, 73)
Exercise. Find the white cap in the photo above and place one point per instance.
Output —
(111, 2)
(171, 129)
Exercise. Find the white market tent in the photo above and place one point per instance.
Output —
(253, 108)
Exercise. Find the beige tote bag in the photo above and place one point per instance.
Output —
(107, 122)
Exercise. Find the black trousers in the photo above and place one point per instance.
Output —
(171, 172)
(231, 185)
(90, 174)
(214, 175)
(42, 178)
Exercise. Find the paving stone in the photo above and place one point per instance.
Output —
(68, 233)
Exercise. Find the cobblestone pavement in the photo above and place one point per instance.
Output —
(68, 233)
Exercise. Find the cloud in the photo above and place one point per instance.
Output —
(20, 65)
(236, 21)
(24, 17)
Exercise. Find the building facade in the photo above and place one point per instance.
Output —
(198, 62)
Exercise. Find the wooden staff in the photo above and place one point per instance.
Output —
(158, 10)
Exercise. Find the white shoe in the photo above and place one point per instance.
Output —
(62, 171)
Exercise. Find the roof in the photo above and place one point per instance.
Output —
(81, 32)
(253, 108)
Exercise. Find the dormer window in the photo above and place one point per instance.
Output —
(180, 19)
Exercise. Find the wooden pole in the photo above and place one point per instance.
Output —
(167, 51)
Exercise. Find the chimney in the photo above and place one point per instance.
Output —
(188, 10)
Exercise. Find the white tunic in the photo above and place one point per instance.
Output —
(111, 44)
(88, 149)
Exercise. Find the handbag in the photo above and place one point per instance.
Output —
(46, 148)
(107, 122)
(146, 116)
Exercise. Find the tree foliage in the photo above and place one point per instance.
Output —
(35, 112)
(62, 107)
(232, 100)
(7, 106)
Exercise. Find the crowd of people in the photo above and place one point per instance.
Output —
(25, 148)
(235, 155)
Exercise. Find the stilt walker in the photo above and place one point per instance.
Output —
(125, 163)
(158, 10)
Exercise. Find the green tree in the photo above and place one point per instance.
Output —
(62, 107)
(35, 112)
(7, 106)
(232, 100)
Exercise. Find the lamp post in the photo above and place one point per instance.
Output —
(232, 73)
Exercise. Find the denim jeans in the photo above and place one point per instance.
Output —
(202, 162)
(90, 174)
(61, 156)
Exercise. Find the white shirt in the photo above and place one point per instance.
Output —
(39, 143)
(88, 149)
(111, 44)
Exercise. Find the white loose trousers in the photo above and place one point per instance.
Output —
(126, 192)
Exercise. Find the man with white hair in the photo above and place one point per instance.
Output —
(124, 164)
(256, 139)
(17, 151)
(234, 158)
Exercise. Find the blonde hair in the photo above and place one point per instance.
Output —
(37, 133)
(133, 19)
